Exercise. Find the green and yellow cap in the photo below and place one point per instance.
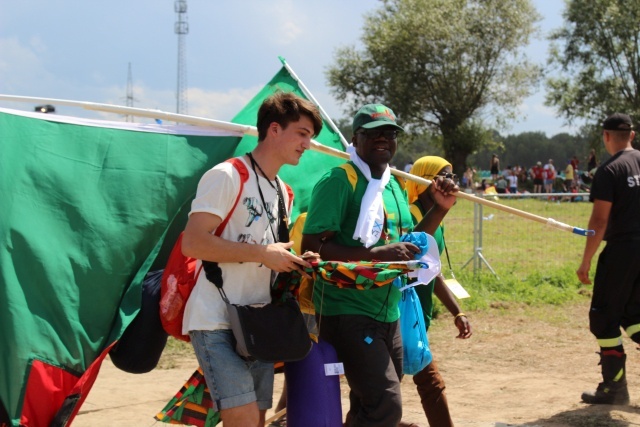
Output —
(374, 115)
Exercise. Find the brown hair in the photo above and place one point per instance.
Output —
(284, 108)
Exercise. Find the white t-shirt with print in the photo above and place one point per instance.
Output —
(243, 283)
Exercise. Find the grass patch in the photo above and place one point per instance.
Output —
(176, 354)
(552, 287)
(512, 245)
(535, 264)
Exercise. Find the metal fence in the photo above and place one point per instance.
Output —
(484, 239)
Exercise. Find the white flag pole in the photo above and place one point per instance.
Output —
(309, 95)
(139, 112)
(316, 146)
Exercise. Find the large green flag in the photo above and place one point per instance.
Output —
(84, 212)
(88, 208)
(313, 164)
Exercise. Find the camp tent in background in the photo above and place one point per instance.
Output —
(89, 207)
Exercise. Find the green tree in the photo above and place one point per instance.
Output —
(413, 145)
(441, 65)
(597, 56)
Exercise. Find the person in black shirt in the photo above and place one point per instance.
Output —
(615, 304)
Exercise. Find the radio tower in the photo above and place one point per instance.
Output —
(181, 29)
(129, 118)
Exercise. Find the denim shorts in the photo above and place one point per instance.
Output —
(232, 380)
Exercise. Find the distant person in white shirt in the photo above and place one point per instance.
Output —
(408, 166)
(512, 177)
(549, 176)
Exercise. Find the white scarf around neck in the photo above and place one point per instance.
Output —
(371, 219)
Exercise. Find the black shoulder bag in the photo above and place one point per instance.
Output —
(274, 332)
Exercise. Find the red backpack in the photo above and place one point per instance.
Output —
(180, 276)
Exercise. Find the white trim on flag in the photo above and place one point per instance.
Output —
(136, 127)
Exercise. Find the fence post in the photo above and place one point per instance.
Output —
(477, 256)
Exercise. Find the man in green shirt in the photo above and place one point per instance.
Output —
(362, 219)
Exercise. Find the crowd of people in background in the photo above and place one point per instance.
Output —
(568, 177)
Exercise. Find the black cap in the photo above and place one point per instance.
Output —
(617, 121)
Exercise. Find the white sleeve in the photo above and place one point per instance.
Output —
(217, 191)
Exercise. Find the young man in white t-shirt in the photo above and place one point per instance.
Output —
(247, 253)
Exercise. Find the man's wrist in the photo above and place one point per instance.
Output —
(440, 209)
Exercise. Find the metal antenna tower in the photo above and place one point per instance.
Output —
(181, 29)
(129, 118)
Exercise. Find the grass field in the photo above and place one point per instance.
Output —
(535, 264)
(513, 245)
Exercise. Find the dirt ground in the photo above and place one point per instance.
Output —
(521, 367)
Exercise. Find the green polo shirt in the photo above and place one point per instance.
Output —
(335, 206)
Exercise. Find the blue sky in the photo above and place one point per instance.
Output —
(80, 50)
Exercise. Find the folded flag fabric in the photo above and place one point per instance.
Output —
(191, 405)
(363, 275)
(360, 275)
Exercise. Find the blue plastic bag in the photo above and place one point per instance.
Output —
(415, 343)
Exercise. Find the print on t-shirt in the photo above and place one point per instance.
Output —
(254, 208)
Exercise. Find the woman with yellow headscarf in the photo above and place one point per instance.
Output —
(429, 382)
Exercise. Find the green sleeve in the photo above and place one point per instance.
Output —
(329, 203)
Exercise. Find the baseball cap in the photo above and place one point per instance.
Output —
(372, 116)
(617, 121)
(539, 163)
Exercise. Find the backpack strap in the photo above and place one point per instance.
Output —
(290, 196)
(239, 165)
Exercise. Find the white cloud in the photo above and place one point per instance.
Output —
(534, 116)
(289, 33)
(219, 105)
(201, 103)
(37, 44)
(20, 66)
(286, 22)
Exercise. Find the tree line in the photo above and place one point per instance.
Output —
(454, 71)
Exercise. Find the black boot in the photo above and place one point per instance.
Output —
(613, 389)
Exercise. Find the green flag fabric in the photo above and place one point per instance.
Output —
(89, 207)
(312, 164)
(85, 210)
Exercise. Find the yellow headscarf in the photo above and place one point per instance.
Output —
(425, 167)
